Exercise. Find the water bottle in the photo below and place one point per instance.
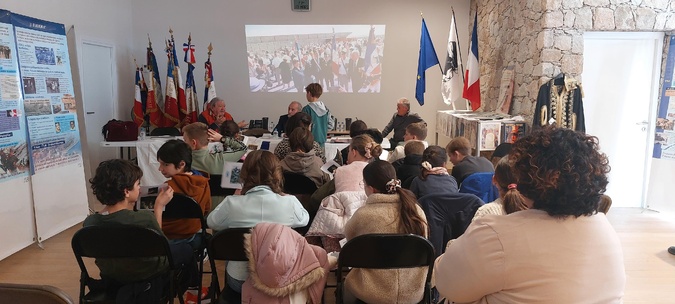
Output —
(275, 134)
(141, 135)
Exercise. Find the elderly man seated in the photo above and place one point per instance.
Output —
(293, 107)
(214, 115)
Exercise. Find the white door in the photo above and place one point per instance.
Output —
(98, 96)
(620, 82)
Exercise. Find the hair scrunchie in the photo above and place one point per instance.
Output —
(392, 185)
(367, 148)
(512, 186)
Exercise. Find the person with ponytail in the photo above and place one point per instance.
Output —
(388, 209)
(510, 200)
(362, 151)
(434, 177)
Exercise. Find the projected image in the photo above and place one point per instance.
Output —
(342, 58)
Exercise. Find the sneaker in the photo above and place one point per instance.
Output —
(191, 296)
(671, 250)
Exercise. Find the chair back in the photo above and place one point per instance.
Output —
(295, 183)
(448, 216)
(184, 207)
(387, 251)
(480, 184)
(171, 131)
(228, 245)
(216, 189)
(24, 293)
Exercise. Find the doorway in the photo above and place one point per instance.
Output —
(620, 81)
(98, 97)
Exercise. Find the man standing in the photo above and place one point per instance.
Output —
(293, 107)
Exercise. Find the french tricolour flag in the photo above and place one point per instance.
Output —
(472, 79)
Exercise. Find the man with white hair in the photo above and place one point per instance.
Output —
(215, 115)
(293, 107)
(401, 119)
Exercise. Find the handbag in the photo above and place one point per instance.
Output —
(117, 130)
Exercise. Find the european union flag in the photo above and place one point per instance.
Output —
(427, 59)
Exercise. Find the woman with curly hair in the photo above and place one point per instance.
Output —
(561, 250)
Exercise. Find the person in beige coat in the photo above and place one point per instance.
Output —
(388, 209)
(302, 160)
(559, 251)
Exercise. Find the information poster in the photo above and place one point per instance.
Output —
(13, 150)
(49, 101)
(664, 138)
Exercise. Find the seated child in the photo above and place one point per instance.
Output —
(197, 135)
(175, 163)
(116, 184)
(298, 120)
(302, 160)
(434, 177)
(357, 127)
(414, 131)
(409, 166)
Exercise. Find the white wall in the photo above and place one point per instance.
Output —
(223, 22)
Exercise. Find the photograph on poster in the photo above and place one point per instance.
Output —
(45, 55)
(660, 138)
(342, 58)
(13, 159)
(231, 171)
(664, 123)
(29, 85)
(34, 107)
(68, 103)
(57, 127)
(57, 108)
(72, 125)
(52, 85)
(10, 122)
(5, 52)
(489, 135)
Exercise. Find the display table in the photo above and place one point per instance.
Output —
(484, 130)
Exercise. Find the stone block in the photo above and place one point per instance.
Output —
(563, 42)
(577, 44)
(572, 3)
(658, 4)
(545, 39)
(547, 69)
(569, 19)
(553, 4)
(584, 18)
(553, 19)
(572, 64)
(635, 2)
(616, 2)
(623, 18)
(596, 3)
(660, 23)
(603, 19)
(645, 18)
(670, 24)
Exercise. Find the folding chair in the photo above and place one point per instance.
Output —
(23, 293)
(386, 251)
(171, 131)
(226, 245)
(302, 187)
(480, 184)
(182, 207)
(119, 242)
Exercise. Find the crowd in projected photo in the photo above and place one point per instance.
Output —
(342, 58)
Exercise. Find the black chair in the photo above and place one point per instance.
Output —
(182, 207)
(502, 150)
(448, 216)
(119, 242)
(23, 293)
(386, 251)
(216, 189)
(302, 188)
(226, 245)
(171, 131)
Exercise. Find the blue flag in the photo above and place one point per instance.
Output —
(427, 59)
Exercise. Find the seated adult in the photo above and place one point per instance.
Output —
(414, 131)
(262, 200)
(196, 135)
(214, 114)
(409, 166)
(116, 185)
(228, 129)
(300, 119)
(293, 108)
(434, 177)
(465, 164)
(561, 250)
(175, 163)
(302, 160)
(401, 119)
(357, 127)
(510, 200)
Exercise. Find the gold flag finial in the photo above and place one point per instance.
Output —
(210, 48)
(189, 38)
(171, 31)
(149, 42)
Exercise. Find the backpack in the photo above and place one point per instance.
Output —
(117, 130)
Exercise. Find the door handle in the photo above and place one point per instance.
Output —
(91, 112)
(644, 122)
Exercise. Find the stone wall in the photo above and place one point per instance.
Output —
(542, 38)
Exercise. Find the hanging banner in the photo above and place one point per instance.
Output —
(49, 101)
(664, 138)
(13, 150)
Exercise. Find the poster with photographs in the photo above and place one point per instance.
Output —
(506, 90)
(230, 179)
(664, 138)
(490, 134)
(48, 92)
(13, 147)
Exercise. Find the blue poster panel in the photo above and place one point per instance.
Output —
(664, 138)
(13, 150)
(49, 99)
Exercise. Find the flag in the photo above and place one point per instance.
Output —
(153, 107)
(370, 47)
(472, 83)
(210, 85)
(191, 105)
(138, 111)
(178, 78)
(452, 84)
(427, 59)
(171, 111)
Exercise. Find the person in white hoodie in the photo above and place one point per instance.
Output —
(321, 117)
(301, 160)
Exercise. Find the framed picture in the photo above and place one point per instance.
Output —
(490, 135)
(506, 90)
(231, 173)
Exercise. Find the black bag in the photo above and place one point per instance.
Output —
(117, 130)
(150, 291)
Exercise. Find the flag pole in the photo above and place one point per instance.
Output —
(459, 51)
